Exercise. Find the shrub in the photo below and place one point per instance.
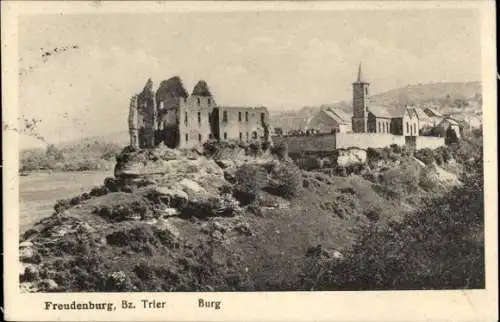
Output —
(425, 155)
(280, 150)
(250, 179)
(61, 205)
(285, 180)
(396, 148)
(254, 149)
(451, 137)
(98, 191)
(341, 171)
(124, 211)
(112, 184)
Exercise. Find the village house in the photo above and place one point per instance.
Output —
(372, 126)
(449, 122)
(173, 117)
(330, 119)
(434, 115)
(424, 121)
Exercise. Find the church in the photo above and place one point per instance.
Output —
(368, 118)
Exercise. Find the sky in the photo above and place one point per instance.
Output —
(279, 59)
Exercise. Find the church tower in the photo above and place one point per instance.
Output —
(360, 103)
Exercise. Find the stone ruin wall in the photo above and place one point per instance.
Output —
(430, 142)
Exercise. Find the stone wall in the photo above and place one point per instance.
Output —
(431, 142)
(330, 142)
(308, 144)
(367, 140)
(242, 123)
(194, 125)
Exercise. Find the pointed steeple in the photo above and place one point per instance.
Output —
(361, 78)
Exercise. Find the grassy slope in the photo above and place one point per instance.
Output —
(270, 257)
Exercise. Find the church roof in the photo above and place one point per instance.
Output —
(360, 77)
(390, 112)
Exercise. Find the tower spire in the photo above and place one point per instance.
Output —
(360, 78)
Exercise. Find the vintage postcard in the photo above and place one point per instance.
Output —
(257, 161)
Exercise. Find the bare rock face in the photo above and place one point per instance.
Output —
(351, 156)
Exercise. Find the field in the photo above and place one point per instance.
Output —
(38, 192)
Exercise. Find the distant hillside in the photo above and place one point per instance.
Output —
(454, 98)
(422, 93)
(118, 138)
(91, 153)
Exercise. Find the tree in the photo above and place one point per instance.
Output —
(451, 136)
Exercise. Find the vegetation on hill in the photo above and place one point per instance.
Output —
(88, 154)
(439, 246)
(246, 220)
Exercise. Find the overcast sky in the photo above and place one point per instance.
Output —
(278, 59)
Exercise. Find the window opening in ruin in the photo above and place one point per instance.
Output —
(199, 117)
(254, 134)
(225, 135)
(186, 118)
(198, 101)
(241, 136)
(239, 116)
(187, 137)
(379, 127)
(247, 136)
(262, 118)
(224, 116)
(407, 127)
(199, 137)
(246, 116)
(208, 100)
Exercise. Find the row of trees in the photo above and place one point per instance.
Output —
(92, 156)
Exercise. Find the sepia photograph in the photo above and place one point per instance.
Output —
(249, 151)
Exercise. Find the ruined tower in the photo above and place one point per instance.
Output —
(360, 103)
(146, 108)
(133, 123)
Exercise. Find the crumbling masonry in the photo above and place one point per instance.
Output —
(178, 120)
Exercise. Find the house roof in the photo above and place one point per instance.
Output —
(336, 114)
(450, 121)
(422, 116)
(432, 112)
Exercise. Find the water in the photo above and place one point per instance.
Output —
(40, 191)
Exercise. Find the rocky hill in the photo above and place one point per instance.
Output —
(223, 218)
(453, 98)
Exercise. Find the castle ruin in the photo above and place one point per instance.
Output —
(173, 117)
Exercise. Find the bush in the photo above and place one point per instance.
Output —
(425, 155)
(250, 179)
(341, 171)
(396, 148)
(112, 184)
(440, 246)
(254, 149)
(280, 150)
(124, 211)
(285, 180)
(98, 191)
